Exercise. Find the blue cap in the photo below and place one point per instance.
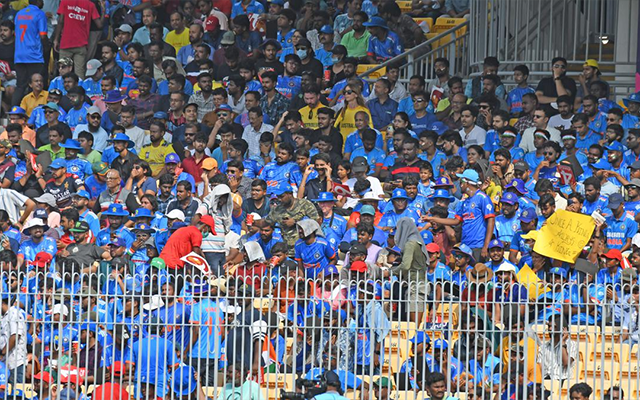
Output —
(438, 127)
(518, 185)
(15, 110)
(327, 29)
(443, 181)
(420, 337)
(183, 381)
(440, 344)
(528, 215)
(42, 214)
(376, 21)
(121, 137)
(118, 242)
(558, 271)
(466, 250)
(441, 194)
(160, 115)
(89, 326)
(324, 196)
(224, 107)
(72, 144)
(635, 98)
(142, 212)
(83, 193)
(115, 210)
(509, 198)
(615, 201)
(143, 228)
(469, 175)
(601, 164)
(58, 163)
(368, 209)
(496, 243)
(615, 146)
(279, 2)
(399, 194)
(172, 158)
(282, 188)
(330, 269)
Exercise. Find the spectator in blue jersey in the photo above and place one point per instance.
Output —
(312, 251)
(400, 209)
(282, 170)
(267, 237)
(76, 166)
(548, 167)
(116, 215)
(508, 136)
(37, 242)
(507, 223)
(331, 221)
(382, 107)
(476, 214)
(375, 156)
(421, 119)
(430, 152)
(383, 43)
(619, 171)
(593, 199)
(77, 114)
(620, 227)
(92, 84)
(514, 98)
(153, 358)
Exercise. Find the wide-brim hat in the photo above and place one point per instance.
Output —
(480, 274)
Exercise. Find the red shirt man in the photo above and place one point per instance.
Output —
(186, 240)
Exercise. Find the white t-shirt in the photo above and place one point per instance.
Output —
(476, 136)
(139, 137)
(527, 138)
(376, 189)
(557, 121)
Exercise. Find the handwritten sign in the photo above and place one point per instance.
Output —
(564, 235)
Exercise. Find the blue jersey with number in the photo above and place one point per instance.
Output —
(289, 86)
(31, 25)
(473, 212)
(315, 256)
(274, 174)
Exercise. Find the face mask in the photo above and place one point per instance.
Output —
(302, 54)
(204, 235)
(335, 60)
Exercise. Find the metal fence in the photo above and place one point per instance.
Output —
(69, 334)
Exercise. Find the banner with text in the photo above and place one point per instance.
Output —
(564, 235)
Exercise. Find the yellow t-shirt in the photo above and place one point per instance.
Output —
(155, 155)
(346, 121)
(178, 40)
(310, 116)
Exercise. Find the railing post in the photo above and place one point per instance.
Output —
(410, 66)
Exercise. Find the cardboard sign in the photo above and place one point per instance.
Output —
(564, 235)
(197, 261)
(566, 175)
(341, 190)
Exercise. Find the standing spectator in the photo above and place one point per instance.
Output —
(558, 355)
(13, 342)
(72, 33)
(30, 47)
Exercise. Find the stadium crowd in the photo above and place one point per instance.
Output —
(141, 132)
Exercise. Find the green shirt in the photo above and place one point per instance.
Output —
(249, 390)
(356, 47)
(54, 154)
(94, 158)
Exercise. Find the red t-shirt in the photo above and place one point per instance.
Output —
(179, 245)
(77, 15)
(223, 5)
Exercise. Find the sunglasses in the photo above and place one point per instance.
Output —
(94, 116)
(548, 153)
(537, 116)
(223, 114)
(458, 255)
(348, 92)
(137, 167)
(189, 134)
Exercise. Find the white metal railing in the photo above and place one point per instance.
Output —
(283, 329)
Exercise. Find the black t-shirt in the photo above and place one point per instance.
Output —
(85, 253)
(401, 169)
(314, 66)
(548, 87)
(64, 193)
(275, 65)
(7, 53)
(249, 207)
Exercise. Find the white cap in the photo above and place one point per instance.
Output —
(125, 28)
(155, 303)
(229, 308)
(256, 216)
(636, 240)
(506, 267)
(94, 110)
(176, 214)
(369, 196)
(60, 309)
(92, 67)
(34, 222)
(47, 198)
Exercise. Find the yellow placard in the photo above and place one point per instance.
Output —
(564, 235)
